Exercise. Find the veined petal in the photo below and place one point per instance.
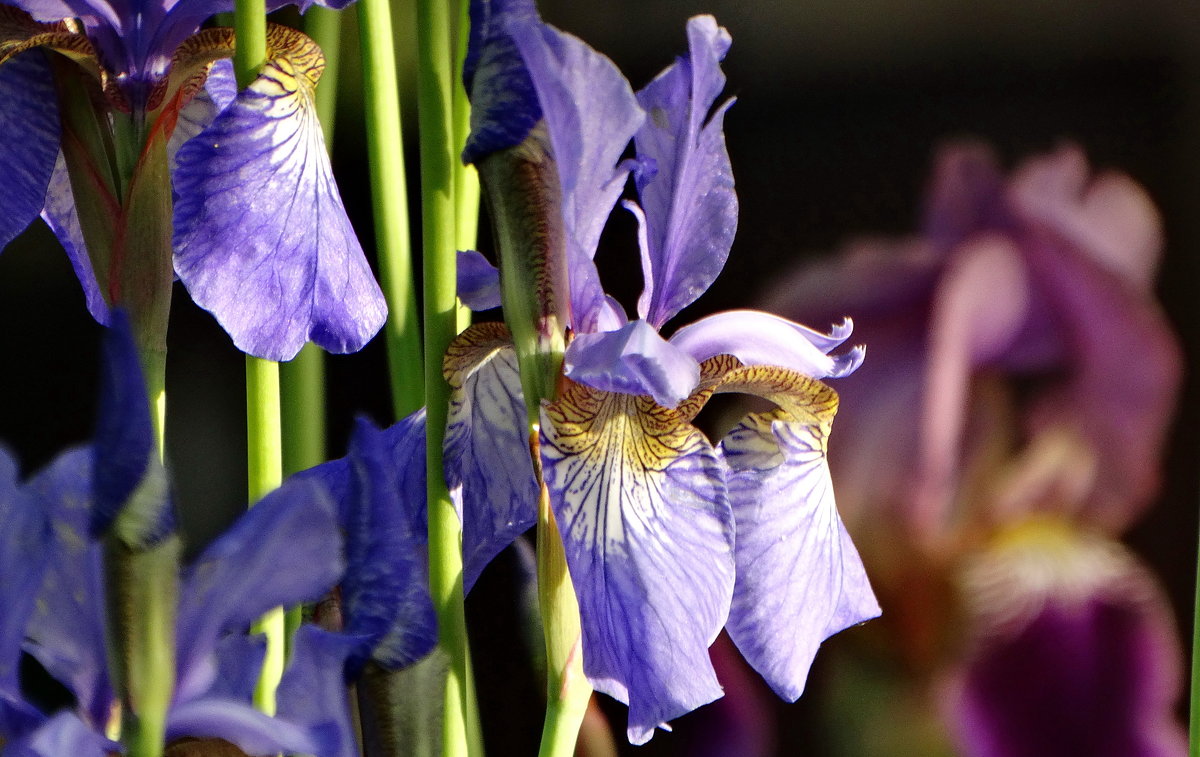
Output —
(799, 577)
(591, 114)
(634, 359)
(29, 136)
(487, 445)
(690, 204)
(66, 630)
(757, 338)
(478, 281)
(217, 94)
(640, 499)
(261, 236)
(60, 215)
(284, 550)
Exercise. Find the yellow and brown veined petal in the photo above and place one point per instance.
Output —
(640, 498)
(486, 452)
(799, 577)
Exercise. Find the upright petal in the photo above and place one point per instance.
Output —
(286, 549)
(487, 445)
(690, 205)
(640, 499)
(504, 105)
(29, 135)
(633, 359)
(385, 591)
(799, 577)
(261, 236)
(591, 114)
(757, 338)
(313, 692)
(478, 281)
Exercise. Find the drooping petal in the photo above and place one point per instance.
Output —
(1073, 651)
(478, 281)
(799, 578)
(217, 94)
(66, 630)
(312, 693)
(385, 591)
(640, 499)
(285, 550)
(63, 734)
(504, 105)
(261, 236)
(60, 215)
(29, 135)
(251, 730)
(487, 445)
(634, 359)
(690, 205)
(591, 114)
(757, 338)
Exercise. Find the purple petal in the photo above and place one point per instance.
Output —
(23, 563)
(1075, 652)
(29, 135)
(252, 731)
(313, 692)
(63, 734)
(633, 360)
(757, 338)
(385, 591)
(965, 195)
(690, 204)
(59, 214)
(66, 630)
(478, 281)
(285, 550)
(487, 445)
(217, 94)
(799, 577)
(261, 237)
(591, 114)
(640, 499)
(504, 105)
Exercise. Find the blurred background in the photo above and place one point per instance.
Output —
(841, 106)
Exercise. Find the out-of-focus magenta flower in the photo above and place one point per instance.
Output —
(1021, 384)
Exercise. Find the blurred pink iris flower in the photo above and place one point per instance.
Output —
(1007, 429)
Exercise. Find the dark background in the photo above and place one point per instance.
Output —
(840, 105)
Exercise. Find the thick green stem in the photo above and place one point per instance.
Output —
(381, 103)
(466, 178)
(250, 28)
(460, 727)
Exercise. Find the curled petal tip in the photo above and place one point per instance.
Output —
(844, 365)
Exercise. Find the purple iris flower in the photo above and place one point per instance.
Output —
(647, 506)
(260, 235)
(285, 550)
(998, 431)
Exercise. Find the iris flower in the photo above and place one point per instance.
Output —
(648, 507)
(999, 429)
(286, 549)
(96, 142)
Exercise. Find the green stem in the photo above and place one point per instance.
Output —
(466, 178)
(250, 28)
(381, 103)
(460, 728)
(324, 26)
(264, 462)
